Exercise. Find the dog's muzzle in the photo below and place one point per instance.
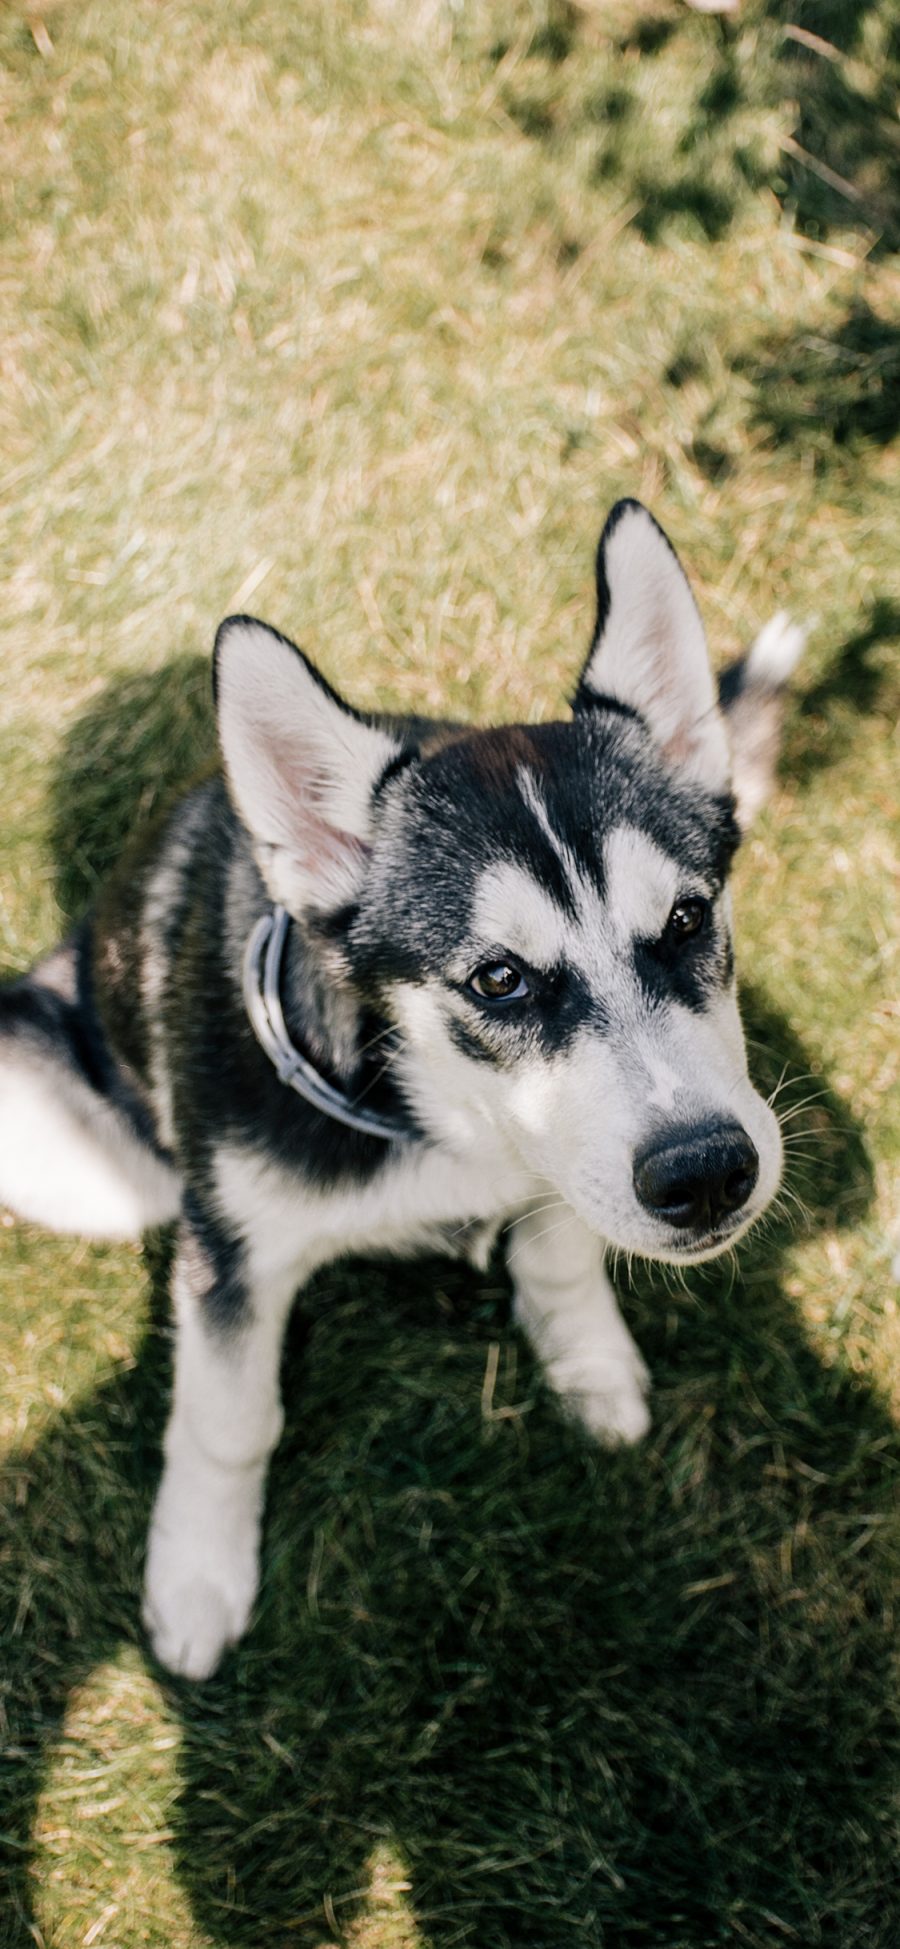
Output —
(696, 1179)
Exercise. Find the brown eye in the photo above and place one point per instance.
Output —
(687, 918)
(499, 981)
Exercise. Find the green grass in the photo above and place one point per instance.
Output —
(361, 315)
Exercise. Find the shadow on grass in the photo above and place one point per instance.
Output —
(648, 1693)
(809, 68)
(642, 1698)
(828, 394)
(823, 389)
(142, 741)
(846, 99)
(861, 683)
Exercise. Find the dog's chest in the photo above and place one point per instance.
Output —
(431, 1200)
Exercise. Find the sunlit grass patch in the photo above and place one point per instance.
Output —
(106, 1805)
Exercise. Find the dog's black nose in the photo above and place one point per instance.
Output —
(694, 1178)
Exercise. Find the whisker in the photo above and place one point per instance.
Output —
(548, 1232)
(779, 1085)
(793, 1198)
(787, 1116)
(791, 1082)
(786, 1197)
(533, 1211)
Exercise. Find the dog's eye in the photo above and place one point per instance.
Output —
(499, 981)
(687, 918)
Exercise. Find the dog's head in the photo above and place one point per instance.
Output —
(542, 910)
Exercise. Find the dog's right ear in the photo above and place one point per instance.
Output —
(301, 766)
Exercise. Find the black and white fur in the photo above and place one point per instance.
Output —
(411, 855)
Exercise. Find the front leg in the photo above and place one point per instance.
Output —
(565, 1304)
(203, 1552)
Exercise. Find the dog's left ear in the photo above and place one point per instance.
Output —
(649, 650)
(302, 767)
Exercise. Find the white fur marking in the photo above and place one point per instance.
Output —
(665, 1086)
(289, 1224)
(642, 884)
(531, 794)
(512, 911)
(58, 972)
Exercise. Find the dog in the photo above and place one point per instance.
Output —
(386, 984)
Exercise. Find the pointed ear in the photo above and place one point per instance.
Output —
(301, 766)
(649, 651)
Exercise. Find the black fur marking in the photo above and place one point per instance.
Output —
(571, 1008)
(559, 1005)
(732, 682)
(37, 1014)
(392, 770)
(604, 594)
(214, 1262)
(688, 972)
(94, 1051)
(225, 1089)
(586, 699)
(470, 1044)
(739, 680)
(337, 925)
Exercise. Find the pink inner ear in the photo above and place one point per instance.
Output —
(326, 852)
(333, 858)
(300, 793)
(680, 749)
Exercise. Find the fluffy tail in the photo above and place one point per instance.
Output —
(72, 1156)
(752, 694)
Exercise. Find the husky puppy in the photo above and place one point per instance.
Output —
(386, 984)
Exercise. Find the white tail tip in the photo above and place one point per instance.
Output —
(777, 650)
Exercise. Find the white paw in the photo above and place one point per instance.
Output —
(594, 1367)
(610, 1402)
(607, 1392)
(202, 1567)
(191, 1626)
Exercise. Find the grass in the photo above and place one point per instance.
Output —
(360, 316)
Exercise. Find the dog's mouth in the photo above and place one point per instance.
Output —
(708, 1244)
(677, 1244)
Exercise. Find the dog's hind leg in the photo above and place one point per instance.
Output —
(73, 1156)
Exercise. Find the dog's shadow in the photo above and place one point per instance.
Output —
(638, 1698)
